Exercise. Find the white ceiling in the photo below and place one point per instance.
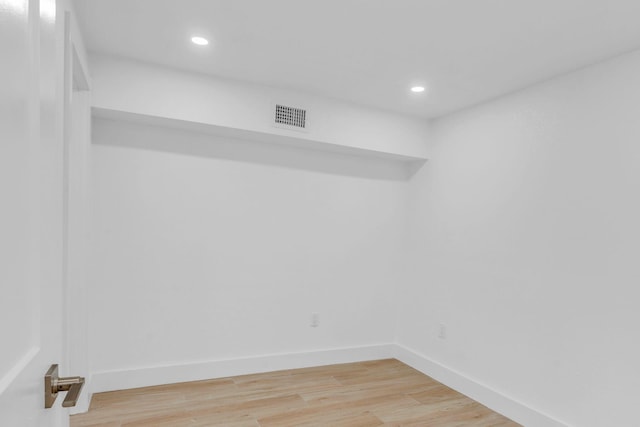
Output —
(370, 51)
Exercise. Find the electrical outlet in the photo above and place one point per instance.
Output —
(442, 331)
(315, 320)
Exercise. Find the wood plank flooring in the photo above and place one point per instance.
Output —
(376, 393)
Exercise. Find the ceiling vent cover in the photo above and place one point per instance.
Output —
(291, 117)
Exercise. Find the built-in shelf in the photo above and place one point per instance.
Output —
(251, 135)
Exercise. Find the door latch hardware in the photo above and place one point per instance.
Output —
(54, 384)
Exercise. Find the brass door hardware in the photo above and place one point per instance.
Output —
(54, 384)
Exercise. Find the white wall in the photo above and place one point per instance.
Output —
(209, 249)
(523, 236)
(525, 243)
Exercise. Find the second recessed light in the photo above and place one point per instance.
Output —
(417, 89)
(200, 41)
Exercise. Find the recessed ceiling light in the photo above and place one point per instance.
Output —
(417, 89)
(200, 41)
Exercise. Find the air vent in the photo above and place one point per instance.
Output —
(290, 116)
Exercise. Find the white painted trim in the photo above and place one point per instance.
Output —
(509, 407)
(85, 398)
(17, 369)
(194, 371)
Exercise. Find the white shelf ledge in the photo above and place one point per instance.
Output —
(250, 135)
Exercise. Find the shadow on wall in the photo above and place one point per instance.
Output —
(149, 137)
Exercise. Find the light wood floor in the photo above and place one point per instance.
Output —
(377, 393)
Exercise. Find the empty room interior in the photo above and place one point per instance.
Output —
(320, 213)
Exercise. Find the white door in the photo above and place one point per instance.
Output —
(32, 303)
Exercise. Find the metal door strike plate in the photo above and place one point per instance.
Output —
(54, 384)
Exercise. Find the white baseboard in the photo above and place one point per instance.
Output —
(157, 375)
(194, 371)
(511, 408)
